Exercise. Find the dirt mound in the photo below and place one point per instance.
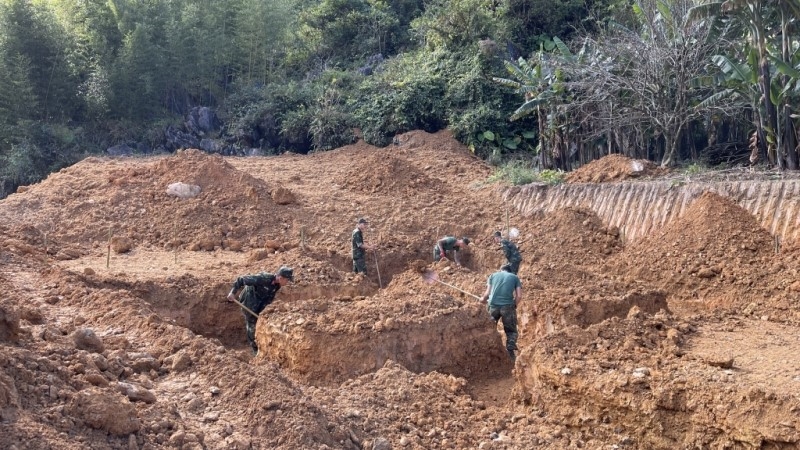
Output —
(709, 253)
(96, 199)
(427, 410)
(577, 235)
(614, 167)
(382, 173)
(141, 350)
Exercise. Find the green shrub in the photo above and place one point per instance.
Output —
(514, 173)
(551, 176)
(330, 128)
(694, 169)
(519, 172)
(255, 116)
(408, 95)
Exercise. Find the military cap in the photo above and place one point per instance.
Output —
(286, 272)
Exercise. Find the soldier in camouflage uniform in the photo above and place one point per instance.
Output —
(511, 251)
(359, 247)
(259, 291)
(449, 244)
(503, 292)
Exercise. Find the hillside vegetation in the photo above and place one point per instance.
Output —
(547, 85)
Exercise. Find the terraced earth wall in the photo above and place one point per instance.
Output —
(638, 208)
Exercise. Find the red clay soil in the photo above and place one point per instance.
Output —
(614, 167)
(681, 340)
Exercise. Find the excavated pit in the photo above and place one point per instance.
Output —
(324, 342)
(654, 316)
(198, 304)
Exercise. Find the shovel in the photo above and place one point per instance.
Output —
(431, 276)
(378, 268)
(245, 308)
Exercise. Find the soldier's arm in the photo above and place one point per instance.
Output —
(245, 280)
(442, 252)
(485, 296)
(363, 244)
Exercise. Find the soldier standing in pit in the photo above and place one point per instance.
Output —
(449, 243)
(503, 292)
(259, 291)
(359, 247)
(511, 251)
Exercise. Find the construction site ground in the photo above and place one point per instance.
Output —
(115, 332)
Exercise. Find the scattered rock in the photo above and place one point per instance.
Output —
(121, 244)
(105, 410)
(9, 323)
(86, 339)
(283, 196)
(136, 393)
(183, 190)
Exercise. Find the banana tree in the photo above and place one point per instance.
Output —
(737, 87)
(542, 86)
(765, 20)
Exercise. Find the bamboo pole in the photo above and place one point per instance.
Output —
(108, 253)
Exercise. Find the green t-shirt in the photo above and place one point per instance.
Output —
(449, 243)
(502, 286)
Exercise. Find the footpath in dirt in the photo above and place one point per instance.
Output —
(114, 332)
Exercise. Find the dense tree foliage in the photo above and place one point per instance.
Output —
(80, 76)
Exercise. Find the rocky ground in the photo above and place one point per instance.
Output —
(114, 332)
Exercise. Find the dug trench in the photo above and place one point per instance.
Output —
(326, 334)
(681, 338)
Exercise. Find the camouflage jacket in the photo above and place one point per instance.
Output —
(511, 251)
(259, 290)
(358, 240)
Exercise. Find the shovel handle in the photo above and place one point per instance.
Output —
(458, 289)
(245, 308)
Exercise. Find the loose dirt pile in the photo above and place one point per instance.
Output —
(662, 344)
(614, 167)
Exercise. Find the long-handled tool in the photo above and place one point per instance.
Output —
(431, 276)
(378, 269)
(244, 307)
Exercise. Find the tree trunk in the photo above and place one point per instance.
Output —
(670, 144)
(764, 80)
(789, 139)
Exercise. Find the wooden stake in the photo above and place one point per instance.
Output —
(175, 249)
(108, 253)
(508, 224)
(303, 237)
(378, 269)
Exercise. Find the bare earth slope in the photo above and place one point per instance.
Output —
(114, 332)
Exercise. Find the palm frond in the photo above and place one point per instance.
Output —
(784, 68)
(507, 83)
(562, 47)
(739, 72)
(704, 11)
(723, 97)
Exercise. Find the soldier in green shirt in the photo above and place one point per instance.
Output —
(259, 291)
(503, 292)
(511, 251)
(449, 244)
(359, 247)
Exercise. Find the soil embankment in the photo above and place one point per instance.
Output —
(114, 332)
